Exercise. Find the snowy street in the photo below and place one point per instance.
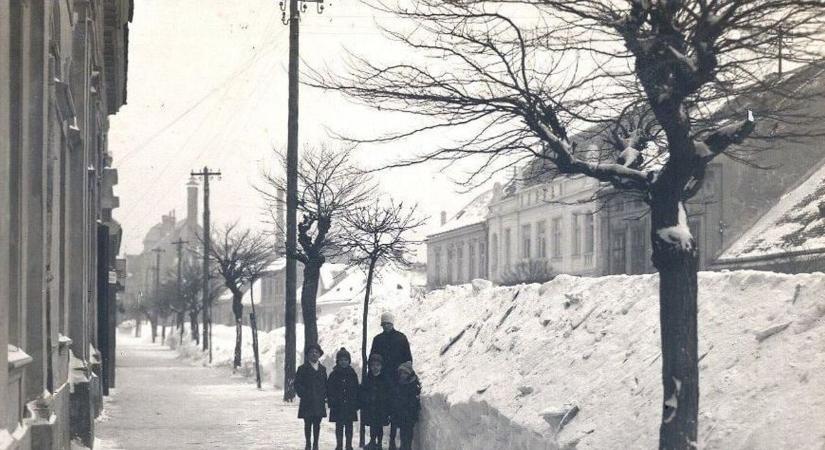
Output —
(163, 402)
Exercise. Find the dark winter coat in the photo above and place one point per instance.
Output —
(342, 395)
(375, 396)
(406, 403)
(311, 387)
(393, 348)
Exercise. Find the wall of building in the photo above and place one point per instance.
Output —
(60, 238)
(554, 222)
(457, 256)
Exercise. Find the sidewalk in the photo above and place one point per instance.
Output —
(162, 402)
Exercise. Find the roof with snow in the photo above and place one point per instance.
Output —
(473, 213)
(795, 225)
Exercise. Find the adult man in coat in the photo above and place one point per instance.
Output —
(394, 348)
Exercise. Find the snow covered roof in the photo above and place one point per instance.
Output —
(473, 213)
(277, 265)
(795, 224)
(391, 284)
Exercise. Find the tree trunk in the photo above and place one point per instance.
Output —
(138, 324)
(676, 258)
(153, 322)
(364, 332)
(193, 327)
(309, 294)
(181, 321)
(237, 309)
(254, 324)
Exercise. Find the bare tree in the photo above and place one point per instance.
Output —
(378, 233)
(671, 84)
(240, 255)
(190, 300)
(328, 188)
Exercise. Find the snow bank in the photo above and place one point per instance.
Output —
(497, 364)
(503, 367)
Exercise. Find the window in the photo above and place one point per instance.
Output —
(541, 239)
(437, 267)
(556, 237)
(638, 250)
(617, 252)
(525, 241)
(507, 248)
(459, 262)
(471, 260)
(494, 253)
(577, 234)
(589, 234)
(450, 265)
(482, 260)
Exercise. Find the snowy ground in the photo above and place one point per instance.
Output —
(501, 366)
(164, 402)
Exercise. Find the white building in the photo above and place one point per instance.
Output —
(554, 222)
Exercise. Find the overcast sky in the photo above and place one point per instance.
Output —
(207, 86)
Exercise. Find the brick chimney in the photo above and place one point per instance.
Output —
(192, 201)
(443, 217)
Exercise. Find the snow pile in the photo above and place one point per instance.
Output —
(576, 362)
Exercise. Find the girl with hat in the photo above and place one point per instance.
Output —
(406, 403)
(342, 395)
(311, 387)
(375, 395)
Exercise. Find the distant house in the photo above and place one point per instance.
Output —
(457, 250)
(790, 237)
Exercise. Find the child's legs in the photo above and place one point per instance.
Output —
(308, 430)
(377, 434)
(406, 436)
(339, 434)
(316, 429)
(348, 430)
(393, 431)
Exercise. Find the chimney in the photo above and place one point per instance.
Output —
(443, 217)
(192, 201)
(280, 218)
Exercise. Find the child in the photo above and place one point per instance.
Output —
(311, 387)
(342, 395)
(375, 397)
(406, 403)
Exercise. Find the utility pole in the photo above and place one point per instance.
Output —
(207, 237)
(179, 244)
(291, 283)
(157, 251)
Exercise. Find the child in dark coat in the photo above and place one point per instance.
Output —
(406, 403)
(342, 396)
(311, 387)
(375, 396)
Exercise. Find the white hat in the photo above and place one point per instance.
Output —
(387, 317)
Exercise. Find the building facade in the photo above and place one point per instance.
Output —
(553, 222)
(457, 251)
(63, 72)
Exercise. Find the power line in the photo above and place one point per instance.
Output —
(244, 66)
